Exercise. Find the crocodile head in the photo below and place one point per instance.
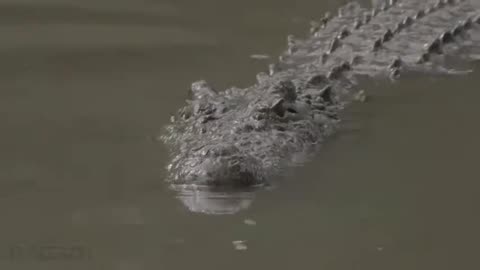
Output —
(241, 137)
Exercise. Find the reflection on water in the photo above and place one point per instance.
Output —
(215, 201)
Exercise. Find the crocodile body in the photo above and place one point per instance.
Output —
(244, 137)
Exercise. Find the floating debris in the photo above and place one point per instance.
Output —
(250, 222)
(260, 56)
(361, 96)
(239, 245)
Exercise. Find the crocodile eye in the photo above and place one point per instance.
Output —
(291, 110)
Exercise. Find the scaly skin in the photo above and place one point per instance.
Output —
(243, 137)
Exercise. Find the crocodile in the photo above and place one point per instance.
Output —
(244, 137)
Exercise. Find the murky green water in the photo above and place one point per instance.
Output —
(86, 86)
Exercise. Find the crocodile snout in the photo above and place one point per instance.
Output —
(234, 170)
(219, 165)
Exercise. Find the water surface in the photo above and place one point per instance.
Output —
(86, 87)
